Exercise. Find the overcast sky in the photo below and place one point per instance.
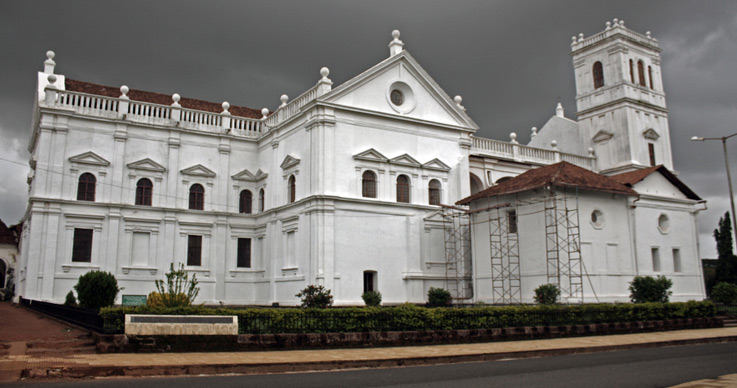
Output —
(508, 59)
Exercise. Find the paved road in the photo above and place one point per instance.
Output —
(659, 367)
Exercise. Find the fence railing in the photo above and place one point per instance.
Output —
(523, 153)
(86, 318)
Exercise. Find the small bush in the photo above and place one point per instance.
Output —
(371, 298)
(179, 290)
(314, 296)
(724, 293)
(438, 297)
(70, 301)
(547, 294)
(645, 289)
(96, 289)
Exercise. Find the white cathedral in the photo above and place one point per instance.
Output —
(377, 184)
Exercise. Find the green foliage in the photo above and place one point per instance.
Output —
(178, 290)
(438, 297)
(96, 289)
(70, 300)
(724, 293)
(371, 298)
(726, 267)
(314, 296)
(408, 317)
(644, 289)
(547, 294)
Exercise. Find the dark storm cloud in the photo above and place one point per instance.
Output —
(508, 59)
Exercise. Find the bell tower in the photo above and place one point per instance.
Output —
(620, 99)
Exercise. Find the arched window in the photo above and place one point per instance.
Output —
(368, 184)
(403, 189)
(292, 188)
(261, 201)
(86, 187)
(598, 71)
(650, 76)
(434, 192)
(632, 71)
(197, 197)
(244, 202)
(144, 190)
(641, 72)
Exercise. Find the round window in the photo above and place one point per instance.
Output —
(663, 223)
(397, 97)
(597, 219)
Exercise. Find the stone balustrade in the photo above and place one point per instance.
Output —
(526, 154)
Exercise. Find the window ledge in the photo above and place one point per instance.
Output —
(67, 267)
(203, 271)
(233, 272)
(151, 270)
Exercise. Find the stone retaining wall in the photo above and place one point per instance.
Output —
(121, 343)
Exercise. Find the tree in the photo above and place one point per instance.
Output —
(178, 290)
(96, 289)
(645, 289)
(547, 294)
(314, 296)
(438, 297)
(726, 269)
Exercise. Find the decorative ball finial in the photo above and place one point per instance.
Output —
(225, 105)
(648, 35)
(395, 34)
(580, 37)
(458, 99)
(591, 151)
(264, 112)
(50, 55)
(124, 90)
(513, 137)
(608, 25)
(534, 132)
(621, 23)
(615, 22)
(284, 98)
(51, 78)
(554, 144)
(573, 39)
(324, 72)
(176, 97)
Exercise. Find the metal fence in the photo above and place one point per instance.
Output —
(86, 318)
(727, 309)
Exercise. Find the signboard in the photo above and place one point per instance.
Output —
(134, 300)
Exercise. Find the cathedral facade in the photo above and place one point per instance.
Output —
(352, 187)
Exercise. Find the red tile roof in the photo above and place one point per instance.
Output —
(562, 174)
(158, 98)
(633, 177)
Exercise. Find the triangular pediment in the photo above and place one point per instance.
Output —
(198, 170)
(436, 217)
(405, 160)
(90, 158)
(602, 135)
(422, 98)
(437, 165)
(650, 134)
(147, 165)
(246, 175)
(289, 161)
(371, 155)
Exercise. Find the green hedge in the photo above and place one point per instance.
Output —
(409, 317)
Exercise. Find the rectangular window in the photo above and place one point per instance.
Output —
(651, 152)
(656, 259)
(368, 281)
(512, 221)
(194, 251)
(291, 261)
(677, 260)
(82, 247)
(244, 253)
(140, 248)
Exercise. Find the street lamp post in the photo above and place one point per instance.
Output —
(729, 177)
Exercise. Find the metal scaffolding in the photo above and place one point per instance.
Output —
(504, 252)
(457, 253)
(563, 246)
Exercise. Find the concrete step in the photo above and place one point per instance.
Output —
(89, 349)
(60, 344)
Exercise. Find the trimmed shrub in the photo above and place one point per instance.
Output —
(547, 294)
(314, 296)
(70, 300)
(179, 290)
(724, 293)
(96, 289)
(645, 289)
(438, 297)
(371, 298)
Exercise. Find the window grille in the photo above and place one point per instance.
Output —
(197, 197)
(403, 189)
(144, 190)
(82, 246)
(244, 203)
(194, 251)
(86, 187)
(368, 184)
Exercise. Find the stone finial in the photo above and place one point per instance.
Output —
(534, 132)
(395, 46)
(176, 97)
(649, 35)
(458, 100)
(325, 72)
(554, 144)
(52, 80)
(615, 22)
(591, 152)
(284, 98)
(621, 23)
(124, 92)
(325, 84)
(608, 25)
(264, 113)
(226, 106)
(573, 40)
(49, 62)
(580, 37)
(559, 110)
(513, 138)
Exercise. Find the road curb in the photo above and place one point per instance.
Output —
(76, 372)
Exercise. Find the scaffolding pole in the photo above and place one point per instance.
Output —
(504, 252)
(457, 253)
(563, 247)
